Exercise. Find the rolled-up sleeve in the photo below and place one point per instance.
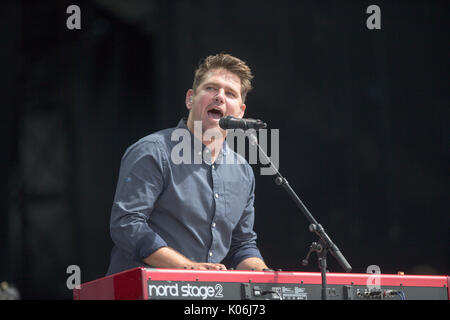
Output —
(243, 242)
(141, 181)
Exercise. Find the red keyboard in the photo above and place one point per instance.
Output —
(149, 283)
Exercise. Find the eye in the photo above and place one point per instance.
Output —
(231, 94)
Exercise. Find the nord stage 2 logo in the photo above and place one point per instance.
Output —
(184, 290)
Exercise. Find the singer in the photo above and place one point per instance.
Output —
(190, 215)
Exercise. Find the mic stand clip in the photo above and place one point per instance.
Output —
(321, 250)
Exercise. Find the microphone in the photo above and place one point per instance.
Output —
(230, 122)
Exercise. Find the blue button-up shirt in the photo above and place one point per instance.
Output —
(204, 211)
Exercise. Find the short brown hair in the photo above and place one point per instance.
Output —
(229, 63)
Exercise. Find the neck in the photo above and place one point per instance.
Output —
(212, 138)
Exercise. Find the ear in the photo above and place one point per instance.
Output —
(189, 97)
(242, 111)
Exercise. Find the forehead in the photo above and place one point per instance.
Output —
(222, 77)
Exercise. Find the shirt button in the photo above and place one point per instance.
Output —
(213, 224)
(213, 167)
(216, 195)
(210, 253)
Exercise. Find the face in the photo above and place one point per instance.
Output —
(219, 95)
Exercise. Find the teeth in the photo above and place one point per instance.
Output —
(214, 113)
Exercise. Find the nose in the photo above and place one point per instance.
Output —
(219, 97)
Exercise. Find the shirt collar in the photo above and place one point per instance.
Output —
(224, 151)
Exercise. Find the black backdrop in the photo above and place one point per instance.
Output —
(363, 117)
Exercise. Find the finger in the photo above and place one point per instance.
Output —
(199, 266)
(220, 267)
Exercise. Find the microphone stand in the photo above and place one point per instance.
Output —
(325, 244)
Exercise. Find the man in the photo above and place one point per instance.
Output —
(195, 215)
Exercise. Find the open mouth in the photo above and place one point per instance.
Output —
(215, 114)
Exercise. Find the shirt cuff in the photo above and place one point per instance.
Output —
(148, 244)
(240, 256)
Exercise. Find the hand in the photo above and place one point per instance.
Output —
(166, 257)
(206, 266)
